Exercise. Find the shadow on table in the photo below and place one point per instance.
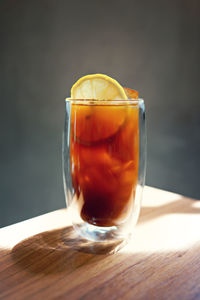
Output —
(58, 251)
(62, 250)
(143, 275)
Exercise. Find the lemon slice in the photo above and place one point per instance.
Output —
(98, 87)
(94, 123)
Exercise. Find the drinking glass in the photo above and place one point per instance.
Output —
(104, 158)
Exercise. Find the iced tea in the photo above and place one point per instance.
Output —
(104, 160)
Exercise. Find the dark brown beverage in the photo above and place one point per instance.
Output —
(104, 161)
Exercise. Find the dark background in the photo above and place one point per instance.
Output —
(46, 45)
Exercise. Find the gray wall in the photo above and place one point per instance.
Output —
(152, 46)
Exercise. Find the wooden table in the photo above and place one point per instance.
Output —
(40, 258)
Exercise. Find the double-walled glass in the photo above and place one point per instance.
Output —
(104, 166)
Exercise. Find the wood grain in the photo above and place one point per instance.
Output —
(43, 257)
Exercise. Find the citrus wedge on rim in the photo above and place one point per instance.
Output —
(98, 87)
(131, 94)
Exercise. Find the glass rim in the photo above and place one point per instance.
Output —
(103, 102)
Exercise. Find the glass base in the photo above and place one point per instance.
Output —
(97, 233)
(100, 240)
